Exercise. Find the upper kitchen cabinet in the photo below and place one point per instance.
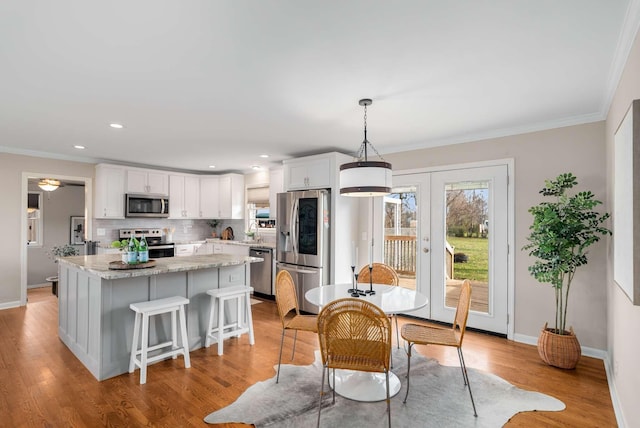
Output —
(110, 189)
(311, 172)
(209, 200)
(222, 196)
(276, 185)
(147, 181)
(184, 196)
(231, 196)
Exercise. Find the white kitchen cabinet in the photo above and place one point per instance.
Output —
(276, 185)
(209, 196)
(231, 196)
(147, 181)
(222, 196)
(203, 249)
(184, 196)
(184, 250)
(234, 249)
(109, 194)
(311, 172)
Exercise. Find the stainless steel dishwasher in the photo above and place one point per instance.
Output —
(262, 274)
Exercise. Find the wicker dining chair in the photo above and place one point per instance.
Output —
(354, 334)
(381, 274)
(287, 302)
(428, 335)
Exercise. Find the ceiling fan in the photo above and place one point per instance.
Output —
(51, 184)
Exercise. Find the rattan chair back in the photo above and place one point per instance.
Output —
(462, 310)
(354, 334)
(286, 296)
(380, 274)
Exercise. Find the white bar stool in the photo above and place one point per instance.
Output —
(143, 311)
(242, 294)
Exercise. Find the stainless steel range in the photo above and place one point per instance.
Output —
(157, 248)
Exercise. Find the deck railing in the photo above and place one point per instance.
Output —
(400, 254)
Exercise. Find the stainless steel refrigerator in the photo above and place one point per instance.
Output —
(302, 240)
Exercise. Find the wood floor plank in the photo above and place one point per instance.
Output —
(43, 385)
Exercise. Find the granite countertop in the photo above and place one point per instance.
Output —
(243, 243)
(99, 265)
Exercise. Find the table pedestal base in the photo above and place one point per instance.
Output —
(364, 386)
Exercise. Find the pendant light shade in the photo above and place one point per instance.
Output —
(363, 177)
(48, 184)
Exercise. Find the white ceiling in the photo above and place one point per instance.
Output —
(212, 82)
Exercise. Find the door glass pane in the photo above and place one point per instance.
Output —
(467, 242)
(400, 225)
(308, 226)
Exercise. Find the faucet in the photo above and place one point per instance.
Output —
(253, 229)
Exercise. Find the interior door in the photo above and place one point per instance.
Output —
(443, 227)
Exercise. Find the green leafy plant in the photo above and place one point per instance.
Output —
(64, 251)
(561, 232)
(122, 244)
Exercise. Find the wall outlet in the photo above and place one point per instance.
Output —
(100, 231)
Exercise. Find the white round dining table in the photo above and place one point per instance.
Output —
(368, 386)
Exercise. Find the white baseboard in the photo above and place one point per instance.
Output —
(586, 351)
(9, 305)
(617, 408)
(45, 284)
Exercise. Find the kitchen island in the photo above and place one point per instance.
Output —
(94, 318)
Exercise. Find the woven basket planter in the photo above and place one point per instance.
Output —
(559, 350)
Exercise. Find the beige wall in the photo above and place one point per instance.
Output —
(539, 156)
(11, 169)
(623, 317)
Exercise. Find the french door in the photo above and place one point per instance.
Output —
(443, 227)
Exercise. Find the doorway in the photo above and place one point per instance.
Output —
(442, 227)
(85, 210)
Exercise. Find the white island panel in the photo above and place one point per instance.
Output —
(95, 320)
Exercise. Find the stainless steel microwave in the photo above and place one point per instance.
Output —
(146, 205)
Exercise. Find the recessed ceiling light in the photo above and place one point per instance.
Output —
(79, 147)
(256, 167)
(212, 166)
(264, 156)
(116, 125)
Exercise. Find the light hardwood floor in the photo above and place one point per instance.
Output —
(43, 385)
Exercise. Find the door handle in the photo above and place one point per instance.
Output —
(425, 250)
(292, 268)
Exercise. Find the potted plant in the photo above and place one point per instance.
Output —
(63, 251)
(123, 245)
(213, 223)
(561, 232)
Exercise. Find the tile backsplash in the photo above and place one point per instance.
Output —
(185, 230)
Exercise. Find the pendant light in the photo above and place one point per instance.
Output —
(48, 184)
(363, 177)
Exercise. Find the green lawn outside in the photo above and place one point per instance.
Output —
(477, 250)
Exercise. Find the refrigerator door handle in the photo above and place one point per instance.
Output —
(294, 225)
(296, 269)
